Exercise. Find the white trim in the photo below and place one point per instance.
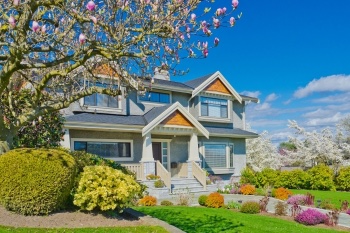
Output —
(155, 103)
(216, 75)
(168, 147)
(103, 127)
(170, 110)
(108, 140)
(227, 149)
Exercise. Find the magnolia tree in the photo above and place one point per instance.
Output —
(318, 147)
(261, 153)
(48, 45)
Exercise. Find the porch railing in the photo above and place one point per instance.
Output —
(137, 168)
(199, 174)
(164, 174)
(183, 170)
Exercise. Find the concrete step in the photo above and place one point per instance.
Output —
(190, 189)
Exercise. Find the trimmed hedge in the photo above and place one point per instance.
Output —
(36, 181)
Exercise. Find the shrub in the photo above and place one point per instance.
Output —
(159, 184)
(214, 200)
(105, 188)
(202, 199)
(166, 203)
(267, 177)
(281, 208)
(298, 199)
(343, 179)
(295, 179)
(282, 193)
(327, 205)
(348, 212)
(36, 181)
(247, 189)
(250, 207)
(311, 217)
(184, 197)
(152, 177)
(148, 201)
(321, 178)
(248, 176)
(233, 205)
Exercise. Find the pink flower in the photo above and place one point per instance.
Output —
(219, 11)
(93, 18)
(43, 29)
(199, 44)
(193, 17)
(234, 3)
(91, 6)
(188, 29)
(216, 41)
(232, 21)
(191, 53)
(12, 21)
(216, 23)
(205, 45)
(82, 38)
(35, 26)
(182, 37)
(15, 2)
(205, 52)
(224, 10)
(204, 24)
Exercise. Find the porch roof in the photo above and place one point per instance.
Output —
(233, 133)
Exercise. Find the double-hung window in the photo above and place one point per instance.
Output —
(108, 150)
(213, 107)
(157, 97)
(101, 100)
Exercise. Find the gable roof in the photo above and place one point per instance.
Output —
(201, 83)
(157, 115)
(168, 85)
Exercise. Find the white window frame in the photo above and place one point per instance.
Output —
(227, 149)
(155, 103)
(215, 119)
(108, 140)
(168, 146)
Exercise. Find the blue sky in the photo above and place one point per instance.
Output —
(293, 55)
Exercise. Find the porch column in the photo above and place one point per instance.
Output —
(147, 156)
(193, 153)
(65, 143)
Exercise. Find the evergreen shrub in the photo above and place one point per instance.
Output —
(250, 207)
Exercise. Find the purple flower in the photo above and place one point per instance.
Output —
(82, 38)
(35, 26)
(205, 52)
(216, 23)
(297, 199)
(91, 6)
(311, 217)
(348, 212)
(235, 3)
(216, 41)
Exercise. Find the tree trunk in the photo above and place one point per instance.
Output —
(6, 135)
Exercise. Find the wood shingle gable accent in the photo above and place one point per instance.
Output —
(218, 86)
(104, 69)
(177, 118)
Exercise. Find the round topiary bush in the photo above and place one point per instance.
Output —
(166, 203)
(250, 207)
(202, 199)
(215, 200)
(36, 181)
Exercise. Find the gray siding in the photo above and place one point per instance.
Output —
(179, 149)
(182, 98)
(238, 114)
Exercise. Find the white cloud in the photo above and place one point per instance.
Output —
(337, 98)
(326, 121)
(329, 83)
(319, 113)
(251, 93)
(263, 106)
(271, 97)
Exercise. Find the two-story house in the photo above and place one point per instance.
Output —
(174, 130)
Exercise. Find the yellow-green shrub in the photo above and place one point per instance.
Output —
(247, 189)
(321, 178)
(148, 201)
(343, 179)
(105, 188)
(215, 200)
(250, 207)
(294, 179)
(36, 181)
(248, 176)
(267, 177)
(282, 193)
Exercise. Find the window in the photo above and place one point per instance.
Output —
(156, 97)
(215, 156)
(101, 100)
(109, 150)
(212, 107)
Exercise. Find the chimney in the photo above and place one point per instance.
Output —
(161, 74)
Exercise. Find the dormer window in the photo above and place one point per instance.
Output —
(101, 100)
(156, 97)
(212, 107)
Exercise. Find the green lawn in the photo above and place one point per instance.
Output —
(333, 196)
(140, 229)
(199, 219)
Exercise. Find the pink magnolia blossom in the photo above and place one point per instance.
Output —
(193, 17)
(219, 12)
(224, 10)
(216, 23)
(15, 2)
(205, 52)
(43, 29)
(94, 19)
(235, 3)
(82, 38)
(191, 53)
(204, 24)
(182, 37)
(35, 26)
(205, 45)
(12, 21)
(188, 29)
(91, 6)
(199, 44)
(216, 41)
(188, 35)
(232, 21)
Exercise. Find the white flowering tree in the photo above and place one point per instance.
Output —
(261, 153)
(45, 44)
(318, 147)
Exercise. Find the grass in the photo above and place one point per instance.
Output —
(139, 229)
(334, 196)
(198, 219)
